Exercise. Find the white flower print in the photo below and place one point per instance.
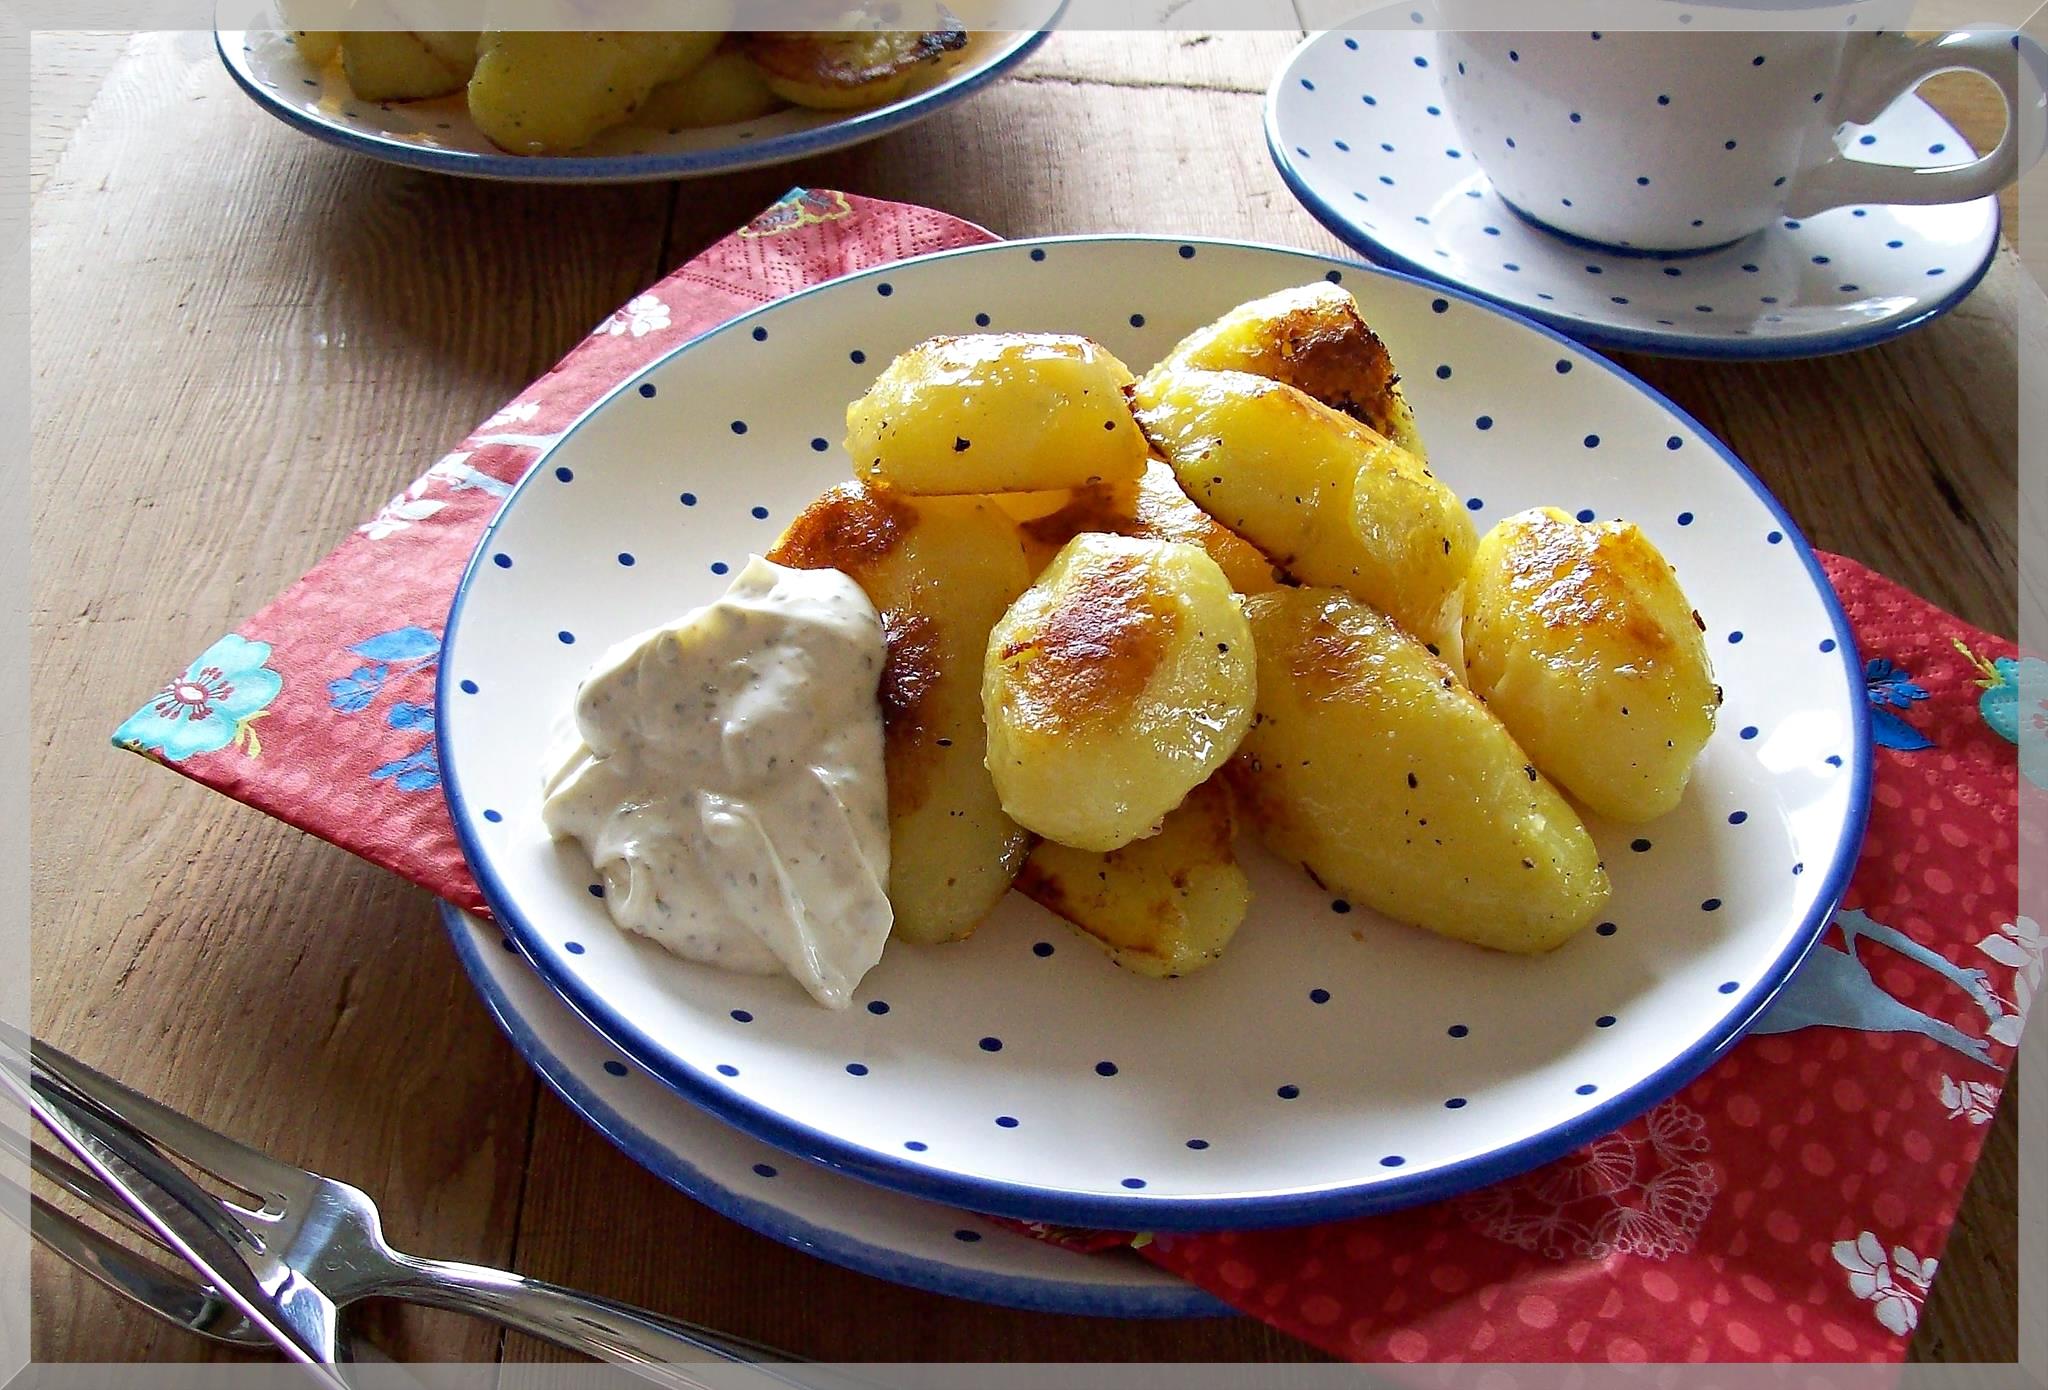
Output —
(2017, 944)
(642, 315)
(1895, 1284)
(1619, 1196)
(517, 413)
(403, 510)
(1971, 1100)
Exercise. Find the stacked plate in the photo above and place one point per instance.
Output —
(1330, 1064)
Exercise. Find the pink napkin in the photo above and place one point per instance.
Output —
(1788, 1205)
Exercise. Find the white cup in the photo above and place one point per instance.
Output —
(1681, 141)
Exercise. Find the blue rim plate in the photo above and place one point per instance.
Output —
(805, 1207)
(438, 135)
(1303, 1077)
(1365, 139)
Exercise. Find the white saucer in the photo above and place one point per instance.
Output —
(1357, 123)
(851, 1223)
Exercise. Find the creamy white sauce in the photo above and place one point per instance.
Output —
(725, 777)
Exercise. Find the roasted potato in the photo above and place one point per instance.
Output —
(1153, 508)
(726, 89)
(1114, 686)
(402, 65)
(1580, 640)
(835, 71)
(1161, 906)
(1327, 499)
(317, 46)
(1314, 339)
(997, 412)
(550, 93)
(941, 570)
(1394, 786)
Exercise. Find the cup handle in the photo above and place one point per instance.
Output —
(1896, 66)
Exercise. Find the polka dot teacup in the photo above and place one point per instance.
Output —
(1699, 134)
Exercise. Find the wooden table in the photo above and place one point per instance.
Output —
(245, 340)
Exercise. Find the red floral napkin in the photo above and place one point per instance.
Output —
(1789, 1205)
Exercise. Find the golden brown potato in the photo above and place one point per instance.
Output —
(1394, 786)
(1327, 499)
(1580, 640)
(941, 570)
(1114, 686)
(997, 412)
(401, 65)
(1314, 339)
(1153, 508)
(551, 93)
(725, 90)
(835, 71)
(1161, 906)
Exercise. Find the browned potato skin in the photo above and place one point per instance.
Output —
(1314, 339)
(1153, 508)
(1580, 639)
(1119, 681)
(1394, 786)
(1162, 906)
(836, 70)
(941, 570)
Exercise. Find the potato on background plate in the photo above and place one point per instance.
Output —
(836, 70)
(1114, 686)
(553, 92)
(1579, 638)
(997, 412)
(725, 90)
(941, 570)
(1161, 906)
(1393, 785)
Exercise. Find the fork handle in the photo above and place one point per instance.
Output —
(598, 1327)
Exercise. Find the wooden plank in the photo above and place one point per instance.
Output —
(237, 356)
(1240, 60)
(66, 67)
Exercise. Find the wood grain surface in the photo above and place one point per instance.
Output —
(244, 340)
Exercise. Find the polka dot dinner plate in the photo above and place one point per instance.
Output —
(888, 1235)
(439, 135)
(1330, 1063)
(1359, 126)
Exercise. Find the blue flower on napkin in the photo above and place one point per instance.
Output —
(391, 657)
(2001, 682)
(1890, 688)
(214, 704)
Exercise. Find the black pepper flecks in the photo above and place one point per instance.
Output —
(961, 446)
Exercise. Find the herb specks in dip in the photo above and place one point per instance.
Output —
(725, 777)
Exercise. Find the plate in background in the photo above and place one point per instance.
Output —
(438, 134)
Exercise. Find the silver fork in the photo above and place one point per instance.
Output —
(315, 1240)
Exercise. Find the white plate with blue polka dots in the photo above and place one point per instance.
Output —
(1358, 126)
(888, 1235)
(1330, 1063)
(438, 134)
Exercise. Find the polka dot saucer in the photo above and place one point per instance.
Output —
(1358, 124)
(1330, 1063)
(863, 1227)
